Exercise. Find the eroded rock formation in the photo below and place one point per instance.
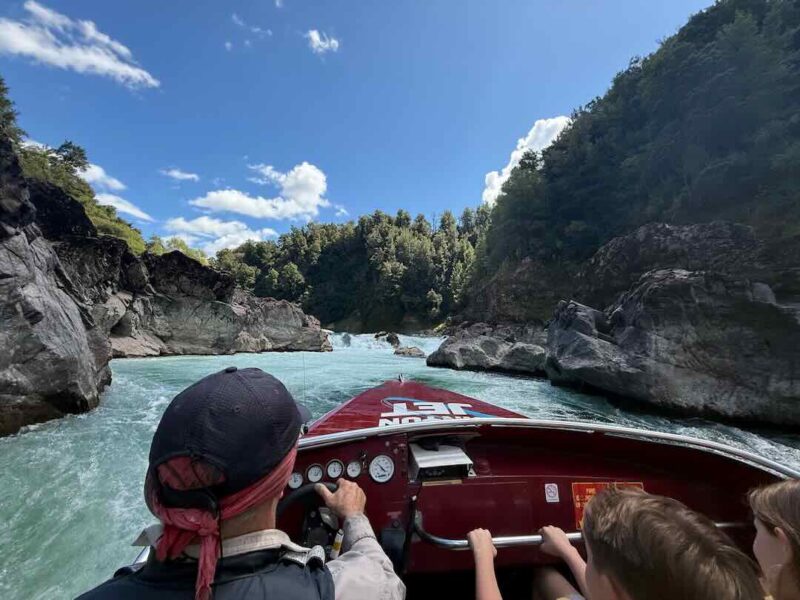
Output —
(70, 299)
(483, 347)
(697, 342)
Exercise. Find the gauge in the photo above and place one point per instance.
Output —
(296, 480)
(381, 468)
(335, 469)
(314, 473)
(353, 469)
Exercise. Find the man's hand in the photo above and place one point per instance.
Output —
(480, 540)
(348, 500)
(555, 542)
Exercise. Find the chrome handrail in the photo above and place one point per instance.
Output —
(511, 540)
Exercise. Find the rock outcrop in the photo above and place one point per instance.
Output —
(70, 299)
(410, 352)
(55, 358)
(391, 338)
(720, 247)
(696, 342)
(483, 347)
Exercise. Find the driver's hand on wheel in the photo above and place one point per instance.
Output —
(346, 501)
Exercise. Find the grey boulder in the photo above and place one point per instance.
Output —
(692, 341)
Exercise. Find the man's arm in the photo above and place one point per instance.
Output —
(362, 571)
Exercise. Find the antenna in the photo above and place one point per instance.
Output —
(303, 354)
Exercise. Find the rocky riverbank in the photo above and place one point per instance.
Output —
(70, 299)
(688, 322)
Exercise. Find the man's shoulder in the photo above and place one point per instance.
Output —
(118, 586)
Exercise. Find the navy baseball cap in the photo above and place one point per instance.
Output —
(228, 430)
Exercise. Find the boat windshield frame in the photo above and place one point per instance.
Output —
(656, 437)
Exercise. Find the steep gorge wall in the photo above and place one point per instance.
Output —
(70, 299)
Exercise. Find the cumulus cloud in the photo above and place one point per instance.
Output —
(123, 206)
(541, 135)
(96, 176)
(341, 211)
(212, 235)
(320, 43)
(179, 175)
(50, 38)
(301, 196)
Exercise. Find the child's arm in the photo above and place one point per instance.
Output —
(484, 552)
(555, 543)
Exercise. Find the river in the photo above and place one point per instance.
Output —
(71, 490)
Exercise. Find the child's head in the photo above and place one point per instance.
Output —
(649, 547)
(777, 545)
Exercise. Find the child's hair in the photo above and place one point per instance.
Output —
(778, 505)
(657, 548)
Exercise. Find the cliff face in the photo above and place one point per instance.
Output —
(70, 300)
(55, 358)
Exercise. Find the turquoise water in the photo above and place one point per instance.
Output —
(70, 490)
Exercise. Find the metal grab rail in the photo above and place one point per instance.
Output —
(512, 540)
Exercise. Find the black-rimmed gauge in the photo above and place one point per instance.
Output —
(296, 480)
(314, 473)
(381, 468)
(335, 469)
(353, 469)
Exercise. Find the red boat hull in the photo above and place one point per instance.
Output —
(526, 473)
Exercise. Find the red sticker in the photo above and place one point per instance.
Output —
(582, 492)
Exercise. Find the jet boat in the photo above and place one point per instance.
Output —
(436, 464)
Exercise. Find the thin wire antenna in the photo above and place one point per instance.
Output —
(304, 377)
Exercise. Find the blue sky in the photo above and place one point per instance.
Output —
(220, 121)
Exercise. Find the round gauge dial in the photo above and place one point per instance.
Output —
(314, 473)
(335, 469)
(381, 468)
(296, 480)
(353, 469)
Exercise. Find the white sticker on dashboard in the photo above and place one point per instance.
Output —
(551, 492)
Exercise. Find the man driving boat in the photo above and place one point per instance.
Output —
(219, 462)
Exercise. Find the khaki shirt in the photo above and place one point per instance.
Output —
(361, 572)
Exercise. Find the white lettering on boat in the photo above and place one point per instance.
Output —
(410, 410)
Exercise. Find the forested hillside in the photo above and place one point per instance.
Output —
(707, 127)
(381, 271)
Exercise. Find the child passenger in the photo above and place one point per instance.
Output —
(639, 547)
(776, 509)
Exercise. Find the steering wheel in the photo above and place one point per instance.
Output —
(319, 524)
(305, 494)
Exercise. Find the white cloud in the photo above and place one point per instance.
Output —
(212, 235)
(54, 39)
(341, 211)
(179, 175)
(228, 46)
(320, 43)
(279, 3)
(301, 196)
(123, 206)
(541, 135)
(98, 178)
(240, 22)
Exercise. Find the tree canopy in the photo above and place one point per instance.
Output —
(707, 127)
(381, 268)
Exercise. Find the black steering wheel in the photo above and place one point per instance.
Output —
(305, 494)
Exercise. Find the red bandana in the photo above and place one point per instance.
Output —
(183, 525)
